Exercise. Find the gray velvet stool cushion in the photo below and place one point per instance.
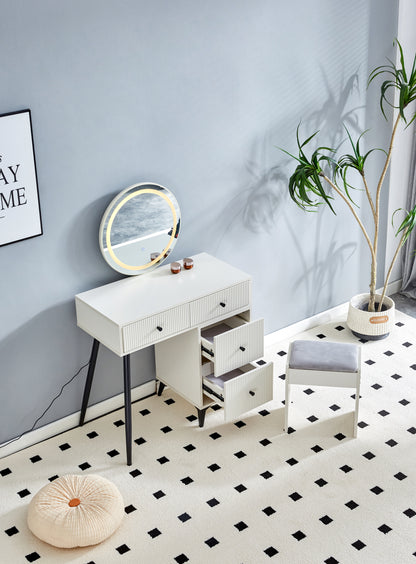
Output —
(324, 356)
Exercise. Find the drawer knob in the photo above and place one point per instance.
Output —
(222, 304)
(159, 328)
(252, 393)
(242, 349)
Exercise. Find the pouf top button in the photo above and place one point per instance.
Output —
(74, 502)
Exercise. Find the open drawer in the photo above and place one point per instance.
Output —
(241, 390)
(232, 343)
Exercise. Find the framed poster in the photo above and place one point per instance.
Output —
(20, 216)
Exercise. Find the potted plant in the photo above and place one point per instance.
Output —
(322, 177)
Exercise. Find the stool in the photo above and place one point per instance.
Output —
(320, 363)
(76, 511)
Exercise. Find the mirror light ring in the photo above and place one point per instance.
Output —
(115, 212)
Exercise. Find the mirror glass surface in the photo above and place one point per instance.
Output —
(139, 228)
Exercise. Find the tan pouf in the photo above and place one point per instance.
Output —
(76, 511)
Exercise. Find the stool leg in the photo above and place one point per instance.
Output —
(357, 403)
(287, 402)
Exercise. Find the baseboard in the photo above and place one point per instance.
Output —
(71, 421)
(319, 319)
(394, 287)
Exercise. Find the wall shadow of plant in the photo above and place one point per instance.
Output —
(264, 200)
(330, 258)
(334, 114)
(256, 205)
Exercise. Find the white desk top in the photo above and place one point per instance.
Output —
(140, 296)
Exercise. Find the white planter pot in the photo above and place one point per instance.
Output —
(370, 325)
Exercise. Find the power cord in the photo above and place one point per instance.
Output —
(47, 409)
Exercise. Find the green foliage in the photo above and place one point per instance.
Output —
(306, 186)
(310, 186)
(306, 180)
(398, 80)
(356, 161)
(407, 224)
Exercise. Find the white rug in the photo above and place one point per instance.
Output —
(245, 492)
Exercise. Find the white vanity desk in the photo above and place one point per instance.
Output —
(199, 322)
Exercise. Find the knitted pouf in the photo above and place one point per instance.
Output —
(76, 511)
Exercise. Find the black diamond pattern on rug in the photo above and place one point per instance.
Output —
(203, 494)
(351, 504)
(64, 446)
(32, 557)
(184, 517)
(154, 533)
(123, 549)
(358, 544)
(84, 466)
(23, 493)
(269, 511)
(211, 542)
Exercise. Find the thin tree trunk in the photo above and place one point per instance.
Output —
(373, 271)
(377, 222)
(396, 254)
(354, 213)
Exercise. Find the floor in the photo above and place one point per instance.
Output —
(245, 492)
(405, 304)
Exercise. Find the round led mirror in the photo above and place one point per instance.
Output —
(139, 228)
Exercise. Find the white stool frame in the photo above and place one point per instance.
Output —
(328, 378)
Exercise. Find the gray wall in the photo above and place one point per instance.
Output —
(196, 96)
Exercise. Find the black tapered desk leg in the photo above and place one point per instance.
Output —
(161, 388)
(88, 381)
(127, 405)
(201, 415)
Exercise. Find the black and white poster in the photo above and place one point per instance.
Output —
(20, 216)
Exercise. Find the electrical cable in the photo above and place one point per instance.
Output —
(47, 409)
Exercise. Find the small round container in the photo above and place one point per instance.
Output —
(175, 267)
(154, 256)
(188, 263)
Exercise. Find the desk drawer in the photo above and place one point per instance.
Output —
(241, 390)
(155, 328)
(232, 343)
(220, 303)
